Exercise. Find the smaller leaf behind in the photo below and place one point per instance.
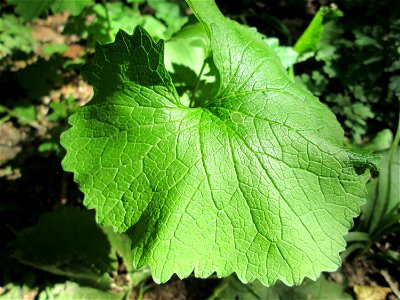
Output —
(60, 244)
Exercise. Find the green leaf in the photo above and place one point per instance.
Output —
(256, 182)
(14, 35)
(383, 200)
(72, 290)
(75, 7)
(121, 17)
(356, 236)
(382, 141)
(189, 47)
(231, 288)
(53, 48)
(30, 9)
(39, 78)
(287, 55)
(171, 12)
(15, 291)
(49, 146)
(69, 243)
(187, 59)
(25, 111)
(311, 37)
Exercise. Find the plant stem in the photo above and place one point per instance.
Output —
(109, 28)
(291, 73)
(192, 100)
(243, 19)
(136, 7)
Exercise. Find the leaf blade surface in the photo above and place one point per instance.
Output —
(256, 182)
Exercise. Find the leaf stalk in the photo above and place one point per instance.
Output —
(196, 87)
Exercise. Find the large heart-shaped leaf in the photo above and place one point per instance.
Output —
(256, 181)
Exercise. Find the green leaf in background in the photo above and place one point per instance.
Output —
(232, 288)
(15, 291)
(352, 58)
(394, 85)
(381, 212)
(30, 9)
(53, 48)
(72, 290)
(40, 77)
(171, 12)
(14, 35)
(121, 17)
(310, 39)
(25, 111)
(189, 47)
(287, 55)
(69, 243)
(256, 182)
(185, 58)
(381, 142)
(75, 7)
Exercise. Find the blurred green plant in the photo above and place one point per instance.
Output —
(101, 22)
(69, 243)
(14, 36)
(35, 8)
(355, 66)
(60, 111)
(380, 217)
(24, 112)
(308, 43)
(233, 288)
